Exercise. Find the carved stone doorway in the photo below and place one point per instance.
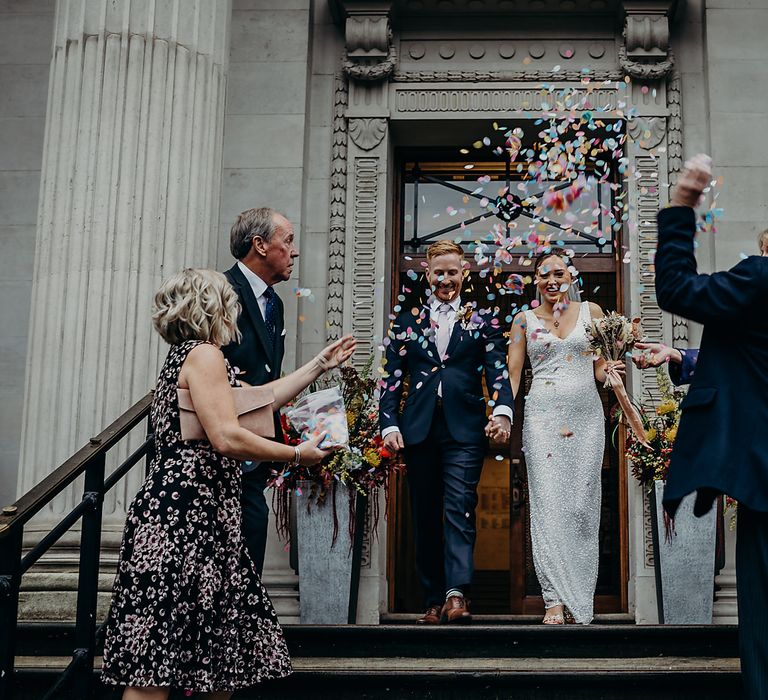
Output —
(438, 196)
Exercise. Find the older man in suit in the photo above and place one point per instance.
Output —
(263, 243)
(721, 445)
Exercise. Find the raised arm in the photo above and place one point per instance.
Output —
(286, 388)
(680, 289)
(204, 373)
(722, 296)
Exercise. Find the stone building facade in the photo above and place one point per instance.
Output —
(134, 131)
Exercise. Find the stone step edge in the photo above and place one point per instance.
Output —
(525, 666)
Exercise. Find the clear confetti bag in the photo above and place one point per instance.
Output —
(318, 413)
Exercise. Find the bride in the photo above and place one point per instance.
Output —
(563, 437)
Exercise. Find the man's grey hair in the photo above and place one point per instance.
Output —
(248, 225)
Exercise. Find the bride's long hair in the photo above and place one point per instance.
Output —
(574, 291)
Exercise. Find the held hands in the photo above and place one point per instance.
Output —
(394, 442)
(337, 353)
(655, 354)
(690, 186)
(498, 429)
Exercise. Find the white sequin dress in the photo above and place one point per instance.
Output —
(563, 440)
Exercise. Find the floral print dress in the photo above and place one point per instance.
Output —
(188, 609)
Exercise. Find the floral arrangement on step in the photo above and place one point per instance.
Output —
(364, 465)
(650, 461)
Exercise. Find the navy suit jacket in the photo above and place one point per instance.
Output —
(721, 445)
(470, 354)
(683, 373)
(258, 360)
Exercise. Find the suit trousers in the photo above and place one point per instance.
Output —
(443, 475)
(255, 512)
(752, 590)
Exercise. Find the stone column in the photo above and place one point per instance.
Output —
(129, 195)
(726, 608)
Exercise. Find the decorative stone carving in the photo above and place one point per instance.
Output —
(338, 207)
(520, 99)
(367, 133)
(566, 51)
(537, 50)
(364, 322)
(369, 54)
(675, 127)
(506, 76)
(367, 37)
(647, 132)
(596, 50)
(645, 53)
(477, 51)
(507, 50)
(446, 51)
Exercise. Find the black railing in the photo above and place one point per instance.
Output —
(78, 677)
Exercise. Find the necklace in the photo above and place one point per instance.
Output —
(556, 323)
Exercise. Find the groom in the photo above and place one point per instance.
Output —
(443, 349)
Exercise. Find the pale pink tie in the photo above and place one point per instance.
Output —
(443, 334)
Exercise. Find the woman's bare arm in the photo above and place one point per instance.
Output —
(516, 351)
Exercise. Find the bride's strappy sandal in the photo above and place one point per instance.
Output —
(556, 619)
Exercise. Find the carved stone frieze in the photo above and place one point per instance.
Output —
(338, 222)
(505, 76)
(486, 99)
(367, 133)
(648, 132)
(648, 558)
(365, 212)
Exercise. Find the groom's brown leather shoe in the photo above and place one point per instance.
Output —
(455, 611)
(431, 616)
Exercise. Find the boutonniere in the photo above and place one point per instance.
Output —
(468, 317)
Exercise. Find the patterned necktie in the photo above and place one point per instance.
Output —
(443, 334)
(270, 313)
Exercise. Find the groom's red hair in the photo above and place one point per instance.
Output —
(444, 248)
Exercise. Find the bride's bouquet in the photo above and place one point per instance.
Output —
(612, 338)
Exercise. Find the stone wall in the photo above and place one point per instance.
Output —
(26, 27)
(737, 101)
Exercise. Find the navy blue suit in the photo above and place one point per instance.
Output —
(683, 373)
(445, 443)
(721, 445)
(259, 360)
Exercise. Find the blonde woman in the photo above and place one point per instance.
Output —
(188, 608)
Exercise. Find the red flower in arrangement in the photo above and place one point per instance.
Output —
(364, 465)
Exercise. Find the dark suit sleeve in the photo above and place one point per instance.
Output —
(683, 373)
(495, 366)
(702, 298)
(395, 369)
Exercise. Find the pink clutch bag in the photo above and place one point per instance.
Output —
(253, 405)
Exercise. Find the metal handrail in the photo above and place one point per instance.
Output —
(89, 460)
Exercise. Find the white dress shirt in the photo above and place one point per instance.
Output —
(434, 306)
(258, 285)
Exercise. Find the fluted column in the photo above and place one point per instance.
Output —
(129, 194)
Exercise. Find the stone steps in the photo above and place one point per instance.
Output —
(451, 663)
